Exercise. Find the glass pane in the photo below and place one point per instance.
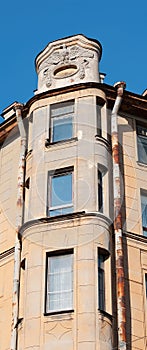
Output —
(101, 261)
(62, 301)
(101, 282)
(100, 191)
(144, 213)
(98, 111)
(62, 108)
(60, 282)
(62, 128)
(61, 191)
(141, 130)
(60, 263)
(142, 149)
(101, 289)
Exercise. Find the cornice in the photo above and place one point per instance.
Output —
(133, 104)
(63, 218)
(135, 236)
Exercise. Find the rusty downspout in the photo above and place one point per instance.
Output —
(19, 217)
(121, 307)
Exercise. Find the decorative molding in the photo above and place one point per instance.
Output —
(64, 58)
(59, 334)
(64, 217)
(58, 329)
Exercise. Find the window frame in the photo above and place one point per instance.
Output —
(50, 255)
(100, 191)
(51, 175)
(98, 118)
(101, 281)
(140, 138)
(64, 115)
(102, 289)
(143, 193)
(102, 179)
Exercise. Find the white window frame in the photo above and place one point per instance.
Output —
(63, 116)
(51, 175)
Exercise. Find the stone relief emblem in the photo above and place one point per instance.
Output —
(64, 58)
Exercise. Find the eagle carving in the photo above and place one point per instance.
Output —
(64, 57)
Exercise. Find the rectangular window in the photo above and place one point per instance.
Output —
(60, 196)
(144, 212)
(100, 191)
(142, 143)
(146, 284)
(61, 127)
(101, 282)
(59, 282)
(98, 116)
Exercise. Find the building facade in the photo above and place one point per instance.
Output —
(73, 188)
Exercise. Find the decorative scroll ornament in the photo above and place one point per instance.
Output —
(64, 58)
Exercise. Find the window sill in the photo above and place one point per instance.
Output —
(144, 165)
(61, 312)
(49, 144)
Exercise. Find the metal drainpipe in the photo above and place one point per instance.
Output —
(121, 307)
(19, 217)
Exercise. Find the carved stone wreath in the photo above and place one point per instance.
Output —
(65, 62)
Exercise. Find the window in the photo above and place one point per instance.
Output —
(144, 212)
(98, 116)
(61, 127)
(60, 199)
(100, 191)
(59, 281)
(101, 281)
(146, 284)
(142, 143)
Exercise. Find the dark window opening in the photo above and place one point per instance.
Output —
(100, 191)
(101, 282)
(144, 212)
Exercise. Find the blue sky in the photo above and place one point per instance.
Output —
(26, 28)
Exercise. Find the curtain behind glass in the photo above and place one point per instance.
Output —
(60, 283)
